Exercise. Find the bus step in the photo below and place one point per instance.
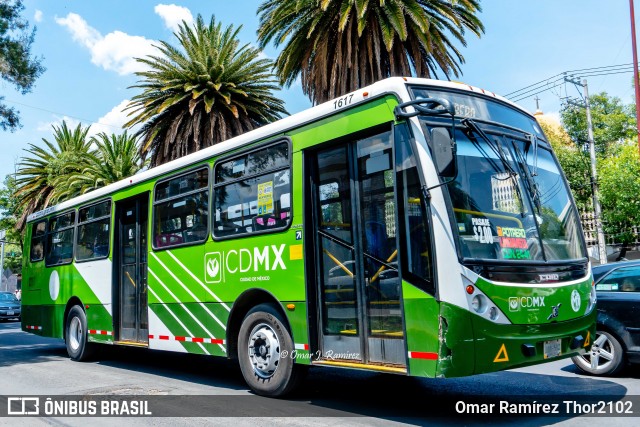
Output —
(358, 365)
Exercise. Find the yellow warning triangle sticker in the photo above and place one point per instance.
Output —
(502, 355)
(587, 342)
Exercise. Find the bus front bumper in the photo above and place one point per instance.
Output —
(499, 347)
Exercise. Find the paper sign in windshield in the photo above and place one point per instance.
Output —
(265, 198)
(482, 230)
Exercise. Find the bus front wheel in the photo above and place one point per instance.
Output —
(76, 336)
(265, 347)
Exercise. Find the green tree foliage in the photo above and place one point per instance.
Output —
(116, 157)
(613, 121)
(574, 162)
(619, 180)
(618, 163)
(8, 216)
(44, 174)
(17, 66)
(337, 46)
(71, 165)
(205, 91)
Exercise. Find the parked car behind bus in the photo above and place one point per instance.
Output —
(617, 340)
(9, 306)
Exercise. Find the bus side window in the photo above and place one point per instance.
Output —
(253, 192)
(37, 241)
(60, 237)
(181, 210)
(93, 231)
(416, 262)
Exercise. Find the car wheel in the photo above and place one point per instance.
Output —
(76, 337)
(605, 357)
(265, 347)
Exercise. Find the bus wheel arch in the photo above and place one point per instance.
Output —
(243, 304)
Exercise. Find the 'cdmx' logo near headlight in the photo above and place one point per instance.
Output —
(516, 303)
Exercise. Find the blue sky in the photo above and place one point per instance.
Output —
(88, 45)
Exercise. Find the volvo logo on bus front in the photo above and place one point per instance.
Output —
(555, 311)
(548, 277)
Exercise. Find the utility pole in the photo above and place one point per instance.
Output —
(3, 233)
(597, 210)
(636, 83)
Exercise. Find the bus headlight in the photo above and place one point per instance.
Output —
(478, 303)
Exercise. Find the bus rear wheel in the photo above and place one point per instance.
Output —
(76, 335)
(265, 347)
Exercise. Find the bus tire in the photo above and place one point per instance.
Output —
(76, 335)
(265, 347)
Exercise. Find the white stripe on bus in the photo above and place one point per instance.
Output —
(189, 291)
(198, 280)
(176, 317)
(181, 304)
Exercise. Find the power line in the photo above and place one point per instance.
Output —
(86, 121)
(537, 88)
(576, 71)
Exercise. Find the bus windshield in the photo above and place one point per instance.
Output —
(509, 198)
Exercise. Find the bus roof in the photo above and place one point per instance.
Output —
(392, 85)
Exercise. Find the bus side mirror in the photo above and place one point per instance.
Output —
(444, 151)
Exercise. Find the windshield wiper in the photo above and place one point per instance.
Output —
(532, 188)
(497, 149)
(534, 141)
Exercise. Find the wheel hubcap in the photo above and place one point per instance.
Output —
(264, 350)
(601, 355)
(75, 333)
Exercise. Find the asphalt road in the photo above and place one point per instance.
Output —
(31, 365)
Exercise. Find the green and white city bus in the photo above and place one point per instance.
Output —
(414, 226)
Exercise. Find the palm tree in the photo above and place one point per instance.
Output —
(116, 157)
(337, 46)
(207, 90)
(43, 174)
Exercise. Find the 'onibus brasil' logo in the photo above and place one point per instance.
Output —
(217, 265)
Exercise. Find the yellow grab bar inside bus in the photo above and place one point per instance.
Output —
(381, 269)
(490, 215)
(337, 261)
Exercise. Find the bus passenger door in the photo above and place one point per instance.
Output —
(359, 289)
(131, 257)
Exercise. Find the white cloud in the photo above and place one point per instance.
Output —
(38, 16)
(112, 121)
(57, 121)
(115, 51)
(173, 15)
(554, 115)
